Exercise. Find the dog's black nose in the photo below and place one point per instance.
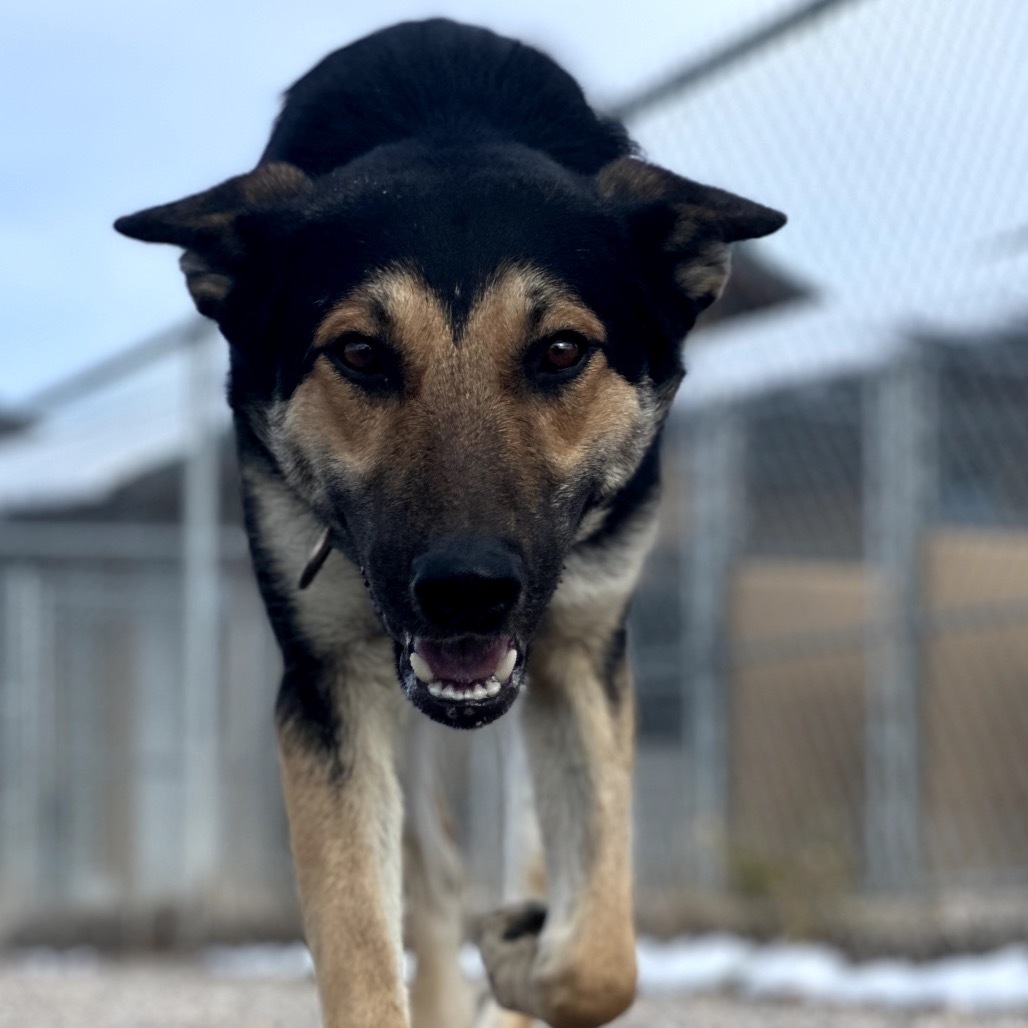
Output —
(467, 585)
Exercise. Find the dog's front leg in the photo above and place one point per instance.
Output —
(572, 963)
(345, 815)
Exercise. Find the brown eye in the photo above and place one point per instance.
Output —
(366, 362)
(360, 355)
(563, 352)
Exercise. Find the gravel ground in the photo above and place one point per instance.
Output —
(176, 995)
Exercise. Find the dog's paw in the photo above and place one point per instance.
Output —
(563, 980)
(509, 942)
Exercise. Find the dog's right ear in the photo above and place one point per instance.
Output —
(682, 231)
(208, 226)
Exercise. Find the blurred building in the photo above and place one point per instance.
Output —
(832, 643)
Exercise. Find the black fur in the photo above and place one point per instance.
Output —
(530, 922)
(305, 704)
(613, 666)
(449, 83)
(304, 699)
(634, 497)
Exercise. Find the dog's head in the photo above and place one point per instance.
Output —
(457, 359)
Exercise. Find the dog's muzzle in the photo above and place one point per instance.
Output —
(464, 668)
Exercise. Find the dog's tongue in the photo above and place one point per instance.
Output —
(471, 660)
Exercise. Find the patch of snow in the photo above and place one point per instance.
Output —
(692, 965)
(285, 962)
(987, 983)
(41, 962)
(471, 963)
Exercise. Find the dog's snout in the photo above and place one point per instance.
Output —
(464, 585)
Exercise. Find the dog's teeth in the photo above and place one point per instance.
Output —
(421, 668)
(449, 693)
(506, 666)
(435, 689)
(480, 693)
(492, 687)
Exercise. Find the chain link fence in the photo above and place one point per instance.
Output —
(833, 653)
(832, 640)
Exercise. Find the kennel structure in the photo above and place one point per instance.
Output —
(831, 645)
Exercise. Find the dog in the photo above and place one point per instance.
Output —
(455, 299)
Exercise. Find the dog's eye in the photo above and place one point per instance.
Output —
(361, 354)
(564, 351)
(558, 358)
(365, 362)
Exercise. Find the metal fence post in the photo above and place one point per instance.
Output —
(158, 797)
(714, 476)
(21, 756)
(201, 656)
(899, 474)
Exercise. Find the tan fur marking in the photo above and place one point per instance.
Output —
(599, 413)
(276, 180)
(205, 283)
(334, 419)
(338, 419)
(634, 179)
(705, 276)
(502, 315)
(345, 837)
(465, 399)
(354, 314)
(702, 277)
(598, 409)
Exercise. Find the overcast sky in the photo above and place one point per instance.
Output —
(895, 138)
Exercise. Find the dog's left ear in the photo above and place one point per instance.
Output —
(211, 228)
(682, 230)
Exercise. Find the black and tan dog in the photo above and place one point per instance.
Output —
(455, 302)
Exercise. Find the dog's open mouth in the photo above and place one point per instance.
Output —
(465, 682)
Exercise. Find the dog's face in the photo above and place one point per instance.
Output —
(457, 360)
